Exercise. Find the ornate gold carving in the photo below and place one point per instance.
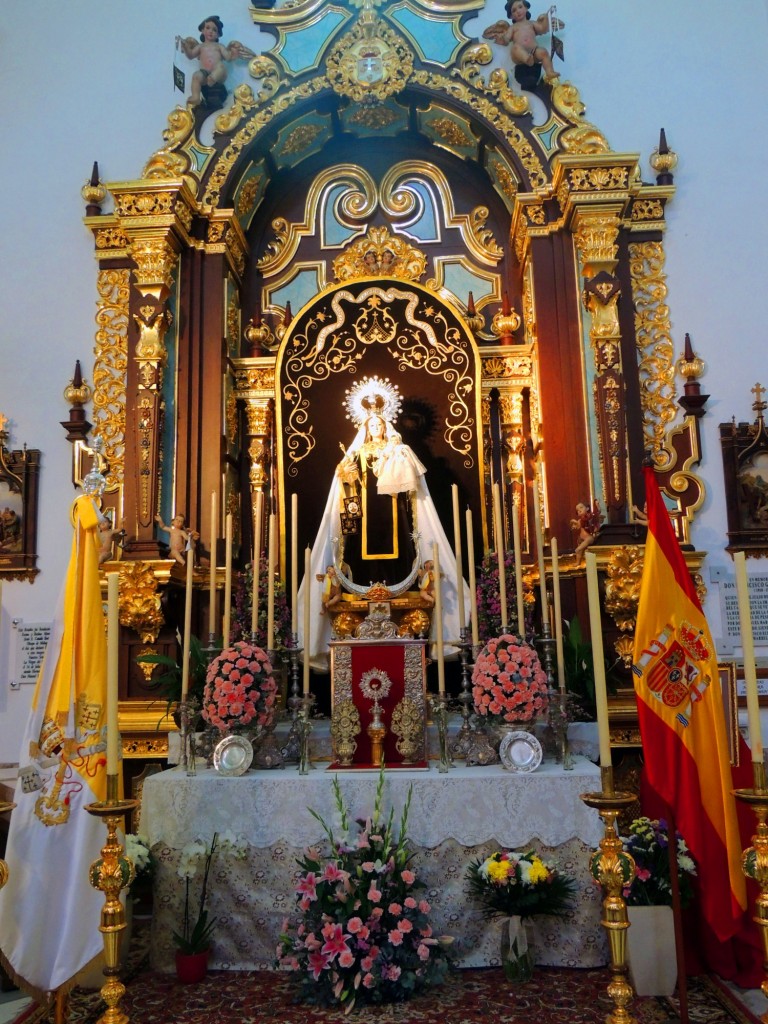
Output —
(110, 368)
(535, 214)
(656, 351)
(595, 238)
(597, 179)
(380, 253)
(245, 101)
(254, 378)
(450, 132)
(145, 204)
(301, 138)
(413, 622)
(168, 162)
(373, 117)
(506, 179)
(267, 70)
(230, 416)
(624, 647)
(370, 63)
(513, 102)
(155, 259)
(139, 602)
(505, 324)
(147, 668)
(111, 238)
(247, 196)
(484, 236)
(623, 575)
(499, 367)
(152, 325)
(647, 209)
(345, 728)
(581, 137)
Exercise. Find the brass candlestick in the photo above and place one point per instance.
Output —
(614, 868)
(4, 808)
(754, 860)
(112, 873)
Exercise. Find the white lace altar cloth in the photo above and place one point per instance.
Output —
(454, 818)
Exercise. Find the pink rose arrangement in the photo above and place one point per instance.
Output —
(364, 934)
(508, 682)
(239, 689)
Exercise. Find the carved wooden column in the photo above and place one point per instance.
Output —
(594, 192)
(255, 388)
(155, 218)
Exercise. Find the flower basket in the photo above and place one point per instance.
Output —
(508, 682)
(364, 934)
(240, 690)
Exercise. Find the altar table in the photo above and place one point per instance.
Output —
(454, 818)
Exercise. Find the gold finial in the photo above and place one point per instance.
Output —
(689, 365)
(663, 160)
(759, 405)
(94, 193)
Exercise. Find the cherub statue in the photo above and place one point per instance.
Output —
(107, 538)
(178, 536)
(522, 33)
(212, 55)
(331, 588)
(427, 583)
(588, 523)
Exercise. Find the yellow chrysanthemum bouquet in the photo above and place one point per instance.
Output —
(512, 884)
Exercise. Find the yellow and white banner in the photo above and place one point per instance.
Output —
(49, 914)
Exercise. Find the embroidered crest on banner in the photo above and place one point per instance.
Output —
(674, 668)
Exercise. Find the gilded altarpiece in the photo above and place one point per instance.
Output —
(537, 346)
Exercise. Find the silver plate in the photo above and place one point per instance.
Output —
(233, 755)
(520, 752)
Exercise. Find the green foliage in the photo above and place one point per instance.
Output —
(167, 685)
(510, 884)
(580, 668)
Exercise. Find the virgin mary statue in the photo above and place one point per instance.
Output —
(379, 522)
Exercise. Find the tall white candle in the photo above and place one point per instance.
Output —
(457, 555)
(258, 515)
(540, 553)
(558, 616)
(748, 647)
(187, 643)
(212, 577)
(271, 584)
(227, 580)
(601, 692)
(295, 564)
(438, 613)
(307, 615)
(499, 541)
(472, 579)
(519, 595)
(113, 632)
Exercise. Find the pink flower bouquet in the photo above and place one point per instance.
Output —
(508, 682)
(239, 689)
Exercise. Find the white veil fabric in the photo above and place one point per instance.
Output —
(400, 470)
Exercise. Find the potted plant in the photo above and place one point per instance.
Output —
(509, 686)
(193, 942)
(515, 886)
(648, 894)
(364, 934)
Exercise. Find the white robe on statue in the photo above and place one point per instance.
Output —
(399, 470)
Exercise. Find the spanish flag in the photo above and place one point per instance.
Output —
(49, 914)
(682, 726)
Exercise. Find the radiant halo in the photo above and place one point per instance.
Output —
(373, 394)
(375, 684)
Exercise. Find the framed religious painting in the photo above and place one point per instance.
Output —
(19, 476)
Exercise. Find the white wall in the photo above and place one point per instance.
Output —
(91, 79)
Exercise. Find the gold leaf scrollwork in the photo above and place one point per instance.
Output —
(624, 574)
(139, 602)
(450, 132)
(380, 253)
(483, 235)
(110, 367)
(654, 344)
(168, 162)
(370, 63)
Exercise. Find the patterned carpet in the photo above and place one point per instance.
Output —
(470, 997)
